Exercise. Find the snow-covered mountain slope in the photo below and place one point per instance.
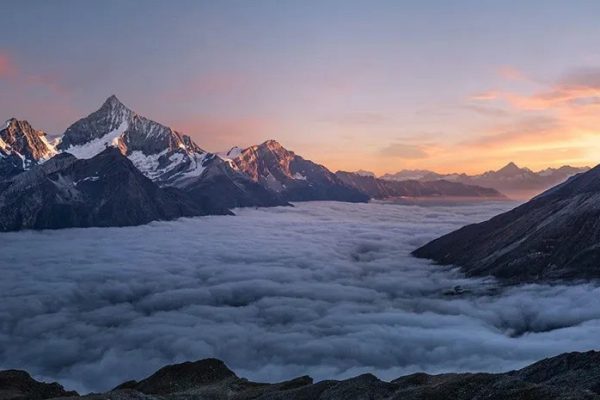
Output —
(166, 156)
(231, 154)
(291, 176)
(22, 147)
(159, 152)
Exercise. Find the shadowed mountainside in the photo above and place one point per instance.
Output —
(553, 236)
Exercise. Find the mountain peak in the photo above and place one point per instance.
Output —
(510, 167)
(272, 144)
(11, 121)
(19, 124)
(113, 102)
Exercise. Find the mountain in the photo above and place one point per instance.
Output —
(162, 154)
(553, 236)
(105, 190)
(19, 385)
(570, 376)
(291, 176)
(511, 179)
(382, 189)
(22, 147)
(220, 185)
(408, 174)
(166, 156)
(362, 172)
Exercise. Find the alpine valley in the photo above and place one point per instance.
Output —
(117, 168)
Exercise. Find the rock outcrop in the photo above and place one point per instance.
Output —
(572, 376)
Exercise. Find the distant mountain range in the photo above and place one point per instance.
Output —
(555, 235)
(383, 189)
(569, 376)
(117, 168)
(511, 180)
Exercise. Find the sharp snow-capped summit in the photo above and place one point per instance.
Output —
(159, 152)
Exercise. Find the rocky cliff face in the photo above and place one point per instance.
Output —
(573, 376)
(383, 189)
(105, 190)
(159, 152)
(22, 147)
(291, 176)
(553, 236)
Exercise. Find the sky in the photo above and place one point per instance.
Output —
(375, 85)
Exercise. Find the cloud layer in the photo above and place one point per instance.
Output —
(326, 289)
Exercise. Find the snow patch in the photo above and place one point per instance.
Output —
(233, 153)
(299, 176)
(51, 149)
(149, 164)
(96, 146)
(87, 179)
(196, 167)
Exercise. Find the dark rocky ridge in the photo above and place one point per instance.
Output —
(551, 237)
(106, 190)
(291, 176)
(19, 385)
(565, 377)
(383, 189)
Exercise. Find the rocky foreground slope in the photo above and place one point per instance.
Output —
(569, 376)
(556, 235)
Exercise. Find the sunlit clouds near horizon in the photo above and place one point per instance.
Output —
(462, 86)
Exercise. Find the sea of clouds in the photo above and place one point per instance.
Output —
(326, 289)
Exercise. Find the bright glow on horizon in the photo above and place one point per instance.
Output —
(452, 87)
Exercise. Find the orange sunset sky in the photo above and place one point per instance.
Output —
(382, 86)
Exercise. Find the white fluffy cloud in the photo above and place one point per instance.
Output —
(326, 289)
